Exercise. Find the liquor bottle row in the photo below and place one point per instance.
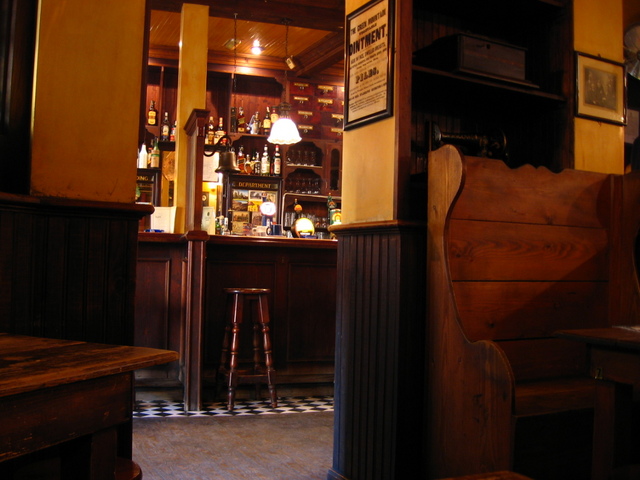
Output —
(258, 124)
(167, 130)
(149, 157)
(256, 164)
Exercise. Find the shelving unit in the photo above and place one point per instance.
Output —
(534, 113)
(311, 167)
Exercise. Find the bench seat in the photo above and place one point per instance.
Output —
(514, 255)
(555, 395)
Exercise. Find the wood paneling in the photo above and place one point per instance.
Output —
(380, 352)
(68, 268)
(159, 308)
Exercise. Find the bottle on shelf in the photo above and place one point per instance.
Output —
(241, 160)
(255, 163)
(277, 162)
(220, 132)
(143, 160)
(172, 134)
(274, 115)
(266, 122)
(218, 228)
(165, 130)
(265, 167)
(211, 131)
(242, 123)
(255, 124)
(152, 114)
(155, 154)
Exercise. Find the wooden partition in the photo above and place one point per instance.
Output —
(380, 355)
(68, 268)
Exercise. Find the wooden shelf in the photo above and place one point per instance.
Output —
(485, 83)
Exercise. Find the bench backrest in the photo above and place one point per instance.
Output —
(513, 255)
(529, 254)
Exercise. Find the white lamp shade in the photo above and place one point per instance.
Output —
(284, 132)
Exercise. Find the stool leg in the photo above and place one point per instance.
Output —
(236, 320)
(268, 357)
(257, 366)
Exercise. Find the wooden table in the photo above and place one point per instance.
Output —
(614, 355)
(74, 396)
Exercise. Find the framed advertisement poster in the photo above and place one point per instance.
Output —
(369, 64)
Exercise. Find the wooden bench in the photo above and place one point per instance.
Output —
(514, 255)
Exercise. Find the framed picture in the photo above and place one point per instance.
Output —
(600, 89)
(369, 64)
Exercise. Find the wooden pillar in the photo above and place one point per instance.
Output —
(192, 87)
(380, 356)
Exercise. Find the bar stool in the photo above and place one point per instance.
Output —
(262, 371)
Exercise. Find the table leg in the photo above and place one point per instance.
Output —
(611, 428)
(90, 457)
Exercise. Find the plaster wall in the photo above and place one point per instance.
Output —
(598, 30)
(86, 112)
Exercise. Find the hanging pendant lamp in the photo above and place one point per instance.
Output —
(284, 131)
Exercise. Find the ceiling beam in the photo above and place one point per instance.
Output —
(321, 56)
(328, 16)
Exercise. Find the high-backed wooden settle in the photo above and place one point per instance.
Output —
(514, 255)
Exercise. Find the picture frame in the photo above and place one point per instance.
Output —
(370, 32)
(600, 89)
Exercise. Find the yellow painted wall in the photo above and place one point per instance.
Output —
(192, 88)
(368, 166)
(87, 99)
(598, 30)
(377, 157)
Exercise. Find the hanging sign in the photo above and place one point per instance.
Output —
(369, 63)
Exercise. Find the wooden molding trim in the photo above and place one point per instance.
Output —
(374, 227)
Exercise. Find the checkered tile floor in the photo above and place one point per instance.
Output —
(164, 408)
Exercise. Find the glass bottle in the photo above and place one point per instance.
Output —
(277, 162)
(219, 133)
(211, 131)
(155, 154)
(265, 167)
(152, 114)
(255, 126)
(165, 131)
(266, 122)
(242, 123)
(241, 159)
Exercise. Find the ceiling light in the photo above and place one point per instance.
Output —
(284, 131)
(232, 43)
(257, 48)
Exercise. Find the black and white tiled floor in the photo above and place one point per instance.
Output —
(166, 408)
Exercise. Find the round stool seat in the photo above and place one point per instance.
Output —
(247, 291)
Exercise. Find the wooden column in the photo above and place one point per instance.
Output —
(380, 357)
(193, 332)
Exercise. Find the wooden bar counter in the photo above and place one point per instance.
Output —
(180, 303)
